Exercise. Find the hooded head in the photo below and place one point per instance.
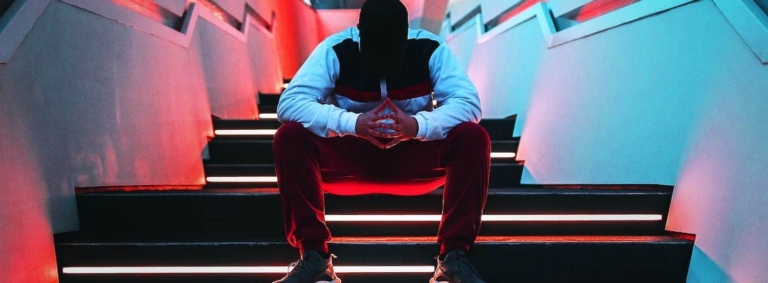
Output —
(383, 29)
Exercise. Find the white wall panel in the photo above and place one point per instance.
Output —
(174, 6)
(561, 7)
(97, 96)
(494, 8)
(677, 98)
(460, 8)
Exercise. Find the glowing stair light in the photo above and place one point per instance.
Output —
(238, 269)
(268, 116)
(503, 155)
(498, 218)
(252, 179)
(244, 132)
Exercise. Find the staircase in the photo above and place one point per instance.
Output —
(231, 230)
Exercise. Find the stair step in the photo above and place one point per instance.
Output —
(498, 129)
(269, 99)
(271, 109)
(228, 151)
(502, 175)
(247, 213)
(498, 259)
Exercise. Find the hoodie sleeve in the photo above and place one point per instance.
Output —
(457, 98)
(304, 100)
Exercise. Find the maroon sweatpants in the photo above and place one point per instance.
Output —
(307, 165)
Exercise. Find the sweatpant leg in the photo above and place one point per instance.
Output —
(467, 158)
(302, 161)
(298, 179)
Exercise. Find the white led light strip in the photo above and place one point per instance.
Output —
(498, 218)
(266, 179)
(503, 155)
(238, 269)
(268, 116)
(244, 132)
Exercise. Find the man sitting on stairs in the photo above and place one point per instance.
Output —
(359, 118)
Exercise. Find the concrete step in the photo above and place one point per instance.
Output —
(235, 214)
(498, 259)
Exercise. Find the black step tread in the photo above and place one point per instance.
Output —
(268, 99)
(525, 189)
(498, 129)
(245, 124)
(498, 259)
(502, 174)
(83, 239)
(212, 213)
(234, 151)
(268, 109)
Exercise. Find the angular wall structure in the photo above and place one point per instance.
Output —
(672, 97)
(107, 93)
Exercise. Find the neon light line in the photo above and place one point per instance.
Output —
(268, 116)
(237, 269)
(503, 155)
(498, 218)
(264, 179)
(244, 132)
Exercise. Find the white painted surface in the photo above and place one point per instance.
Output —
(177, 7)
(89, 99)
(561, 7)
(334, 21)
(677, 98)
(553, 36)
(613, 19)
(433, 15)
(750, 21)
(14, 25)
(460, 8)
(422, 15)
(494, 8)
(297, 34)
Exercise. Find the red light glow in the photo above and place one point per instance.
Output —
(519, 8)
(237, 269)
(498, 218)
(219, 12)
(149, 9)
(598, 8)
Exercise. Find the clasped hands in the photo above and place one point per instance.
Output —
(370, 126)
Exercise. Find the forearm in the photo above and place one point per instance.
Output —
(324, 120)
(435, 125)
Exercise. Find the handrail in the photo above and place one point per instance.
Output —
(25, 13)
(554, 37)
(750, 21)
